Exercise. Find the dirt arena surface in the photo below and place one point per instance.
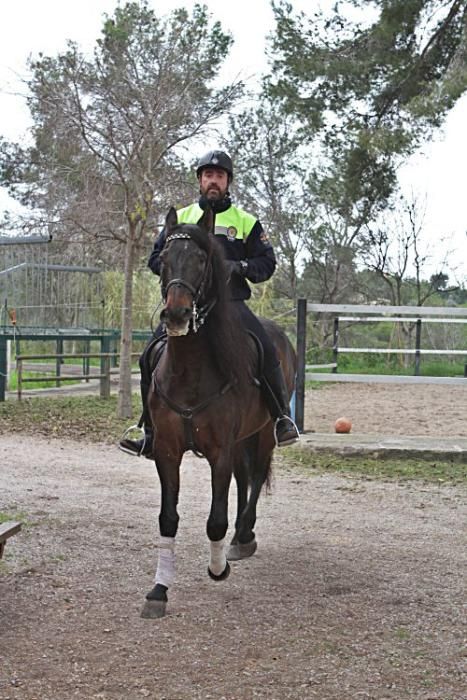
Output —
(435, 410)
(357, 590)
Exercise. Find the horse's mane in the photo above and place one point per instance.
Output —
(231, 352)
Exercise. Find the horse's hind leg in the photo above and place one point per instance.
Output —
(258, 467)
(245, 452)
(156, 599)
(242, 466)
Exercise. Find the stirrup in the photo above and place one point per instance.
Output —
(142, 437)
(291, 441)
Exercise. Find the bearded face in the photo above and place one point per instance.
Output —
(213, 183)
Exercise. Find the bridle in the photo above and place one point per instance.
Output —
(199, 314)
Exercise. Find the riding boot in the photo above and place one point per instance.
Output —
(276, 396)
(143, 445)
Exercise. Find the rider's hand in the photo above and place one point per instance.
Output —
(236, 267)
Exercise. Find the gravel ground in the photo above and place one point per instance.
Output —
(357, 590)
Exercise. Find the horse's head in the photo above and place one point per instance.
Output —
(185, 272)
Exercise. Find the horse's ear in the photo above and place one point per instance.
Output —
(207, 220)
(171, 220)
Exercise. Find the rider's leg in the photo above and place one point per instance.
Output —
(277, 398)
(272, 382)
(143, 446)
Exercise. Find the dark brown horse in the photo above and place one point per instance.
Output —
(205, 397)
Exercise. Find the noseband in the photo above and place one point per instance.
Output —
(199, 314)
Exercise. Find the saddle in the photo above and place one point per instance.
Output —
(154, 352)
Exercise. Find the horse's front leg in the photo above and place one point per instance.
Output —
(169, 475)
(221, 475)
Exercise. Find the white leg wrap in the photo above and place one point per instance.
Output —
(218, 561)
(165, 572)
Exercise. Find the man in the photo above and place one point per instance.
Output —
(249, 256)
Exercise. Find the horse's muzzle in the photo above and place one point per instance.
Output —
(177, 320)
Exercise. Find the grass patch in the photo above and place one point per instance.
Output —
(315, 384)
(396, 469)
(402, 633)
(5, 517)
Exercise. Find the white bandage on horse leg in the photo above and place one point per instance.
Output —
(165, 572)
(218, 560)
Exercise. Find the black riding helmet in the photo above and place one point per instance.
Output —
(215, 159)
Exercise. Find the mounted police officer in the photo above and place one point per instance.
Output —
(249, 256)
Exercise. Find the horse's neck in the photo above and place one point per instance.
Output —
(186, 362)
(186, 351)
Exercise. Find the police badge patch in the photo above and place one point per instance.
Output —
(231, 233)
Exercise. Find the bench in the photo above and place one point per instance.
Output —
(7, 529)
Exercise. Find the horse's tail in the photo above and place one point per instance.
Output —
(268, 479)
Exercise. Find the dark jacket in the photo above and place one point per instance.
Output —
(242, 238)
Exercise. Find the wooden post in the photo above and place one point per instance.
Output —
(8, 365)
(19, 377)
(58, 361)
(418, 339)
(86, 360)
(3, 366)
(335, 344)
(114, 345)
(105, 368)
(301, 362)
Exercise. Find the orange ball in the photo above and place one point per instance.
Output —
(343, 425)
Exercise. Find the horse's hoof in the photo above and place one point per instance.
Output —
(222, 576)
(241, 551)
(153, 609)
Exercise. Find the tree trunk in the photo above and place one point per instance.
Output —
(124, 385)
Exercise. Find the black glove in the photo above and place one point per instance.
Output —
(236, 267)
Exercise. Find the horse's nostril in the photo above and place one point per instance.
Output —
(178, 314)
